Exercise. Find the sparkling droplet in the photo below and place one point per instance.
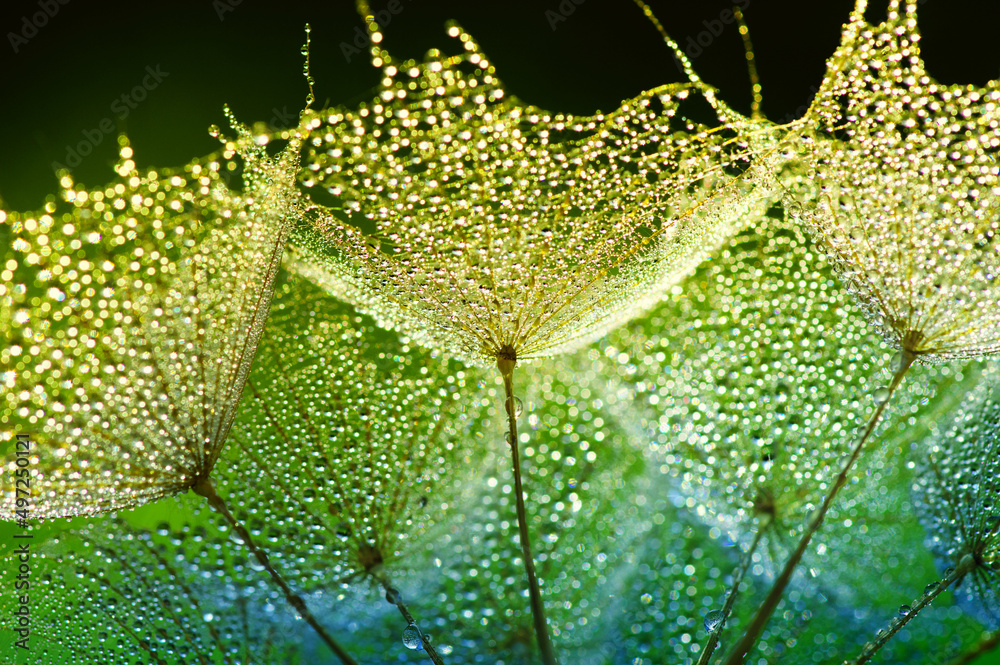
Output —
(930, 587)
(518, 407)
(713, 620)
(411, 637)
(646, 599)
(392, 596)
(213, 130)
(880, 395)
(904, 610)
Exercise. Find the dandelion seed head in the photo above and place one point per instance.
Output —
(473, 222)
(956, 491)
(749, 384)
(901, 187)
(145, 300)
(354, 441)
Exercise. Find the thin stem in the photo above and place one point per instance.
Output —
(964, 566)
(505, 363)
(727, 609)
(758, 98)
(671, 44)
(393, 595)
(987, 644)
(753, 631)
(206, 488)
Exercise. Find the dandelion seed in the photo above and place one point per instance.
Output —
(149, 363)
(353, 438)
(749, 407)
(497, 231)
(957, 490)
(899, 187)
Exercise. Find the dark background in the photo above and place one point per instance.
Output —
(64, 79)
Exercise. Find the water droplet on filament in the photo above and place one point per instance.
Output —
(713, 620)
(411, 637)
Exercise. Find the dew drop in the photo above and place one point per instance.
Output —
(713, 620)
(213, 130)
(518, 407)
(880, 395)
(930, 587)
(904, 610)
(392, 596)
(411, 637)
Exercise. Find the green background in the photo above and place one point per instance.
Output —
(65, 79)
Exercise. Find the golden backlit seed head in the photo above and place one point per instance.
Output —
(473, 222)
(899, 180)
(145, 302)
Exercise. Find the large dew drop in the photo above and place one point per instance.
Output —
(411, 637)
(714, 620)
